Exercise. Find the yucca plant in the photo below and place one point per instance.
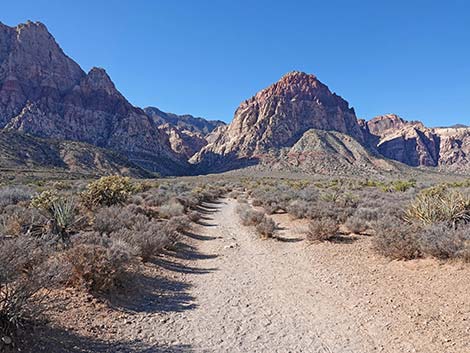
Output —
(439, 204)
(64, 217)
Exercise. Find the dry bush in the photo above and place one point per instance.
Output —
(396, 239)
(98, 264)
(23, 273)
(266, 227)
(356, 224)
(171, 209)
(194, 216)
(249, 216)
(111, 219)
(107, 191)
(12, 195)
(322, 229)
(445, 242)
(16, 220)
(299, 209)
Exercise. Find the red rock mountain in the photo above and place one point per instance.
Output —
(277, 117)
(46, 94)
(412, 143)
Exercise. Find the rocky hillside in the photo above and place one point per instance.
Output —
(412, 143)
(22, 152)
(277, 117)
(46, 94)
(187, 134)
(327, 153)
(183, 122)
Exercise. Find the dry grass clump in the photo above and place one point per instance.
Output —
(322, 229)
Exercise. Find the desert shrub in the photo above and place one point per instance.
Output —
(12, 195)
(322, 229)
(444, 242)
(439, 204)
(399, 185)
(249, 216)
(45, 200)
(98, 264)
(178, 224)
(298, 208)
(111, 219)
(396, 239)
(171, 209)
(266, 227)
(16, 220)
(309, 194)
(23, 274)
(150, 238)
(107, 191)
(194, 216)
(356, 224)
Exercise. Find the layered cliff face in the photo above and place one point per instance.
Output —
(277, 117)
(46, 94)
(412, 143)
(408, 142)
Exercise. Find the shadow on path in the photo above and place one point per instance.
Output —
(55, 340)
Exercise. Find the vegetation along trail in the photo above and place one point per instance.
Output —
(286, 295)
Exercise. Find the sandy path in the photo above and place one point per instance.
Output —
(251, 295)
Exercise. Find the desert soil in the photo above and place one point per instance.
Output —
(229, 291)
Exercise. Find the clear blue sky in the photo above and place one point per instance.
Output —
(205, 57)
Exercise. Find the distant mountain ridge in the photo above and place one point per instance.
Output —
(69, 119)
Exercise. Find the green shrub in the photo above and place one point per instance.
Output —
(108, 191)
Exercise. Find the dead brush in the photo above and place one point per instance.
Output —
(322, 229)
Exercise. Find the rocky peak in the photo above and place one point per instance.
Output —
(298, 86)
(279, 115)
(98, 80)
(383, 123)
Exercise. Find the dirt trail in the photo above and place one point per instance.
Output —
(224, 290)
(252, 295)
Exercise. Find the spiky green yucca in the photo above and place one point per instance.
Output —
(439, 204)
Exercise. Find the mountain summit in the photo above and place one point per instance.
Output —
(277, 117)
(46, 94)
